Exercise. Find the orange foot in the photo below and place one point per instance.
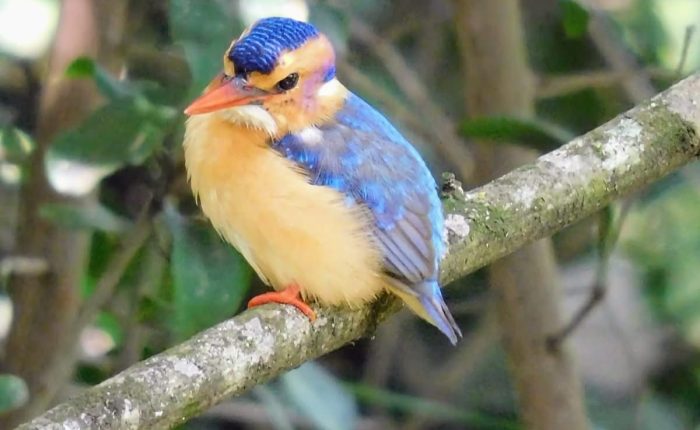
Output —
(288, 296)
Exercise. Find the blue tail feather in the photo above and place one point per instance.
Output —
(425, 299)
(435, 307)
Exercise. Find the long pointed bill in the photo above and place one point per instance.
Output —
(223, 93)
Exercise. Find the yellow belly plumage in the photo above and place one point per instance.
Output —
(291, 232)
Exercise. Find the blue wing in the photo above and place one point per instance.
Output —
(362, 155)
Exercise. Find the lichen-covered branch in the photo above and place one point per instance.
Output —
(566, 185)
(525, 285)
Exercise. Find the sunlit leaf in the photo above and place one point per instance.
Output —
(204, 30)
(534, 133)
(13, 393)
(319, 396)
(15, 145)
(575, 18)
(82, 67)
(210, 278)
(87, 68)
(91, 216)
(123, 132)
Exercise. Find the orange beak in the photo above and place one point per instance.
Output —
(224, 92)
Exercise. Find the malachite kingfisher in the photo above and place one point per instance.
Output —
(317, 190)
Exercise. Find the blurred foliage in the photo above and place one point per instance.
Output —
(575, 18)
(533, 133)
(320, 396)
(13, 393)
(665, 235)
(186, 278)
(210, 278)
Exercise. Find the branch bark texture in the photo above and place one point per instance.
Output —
(526, 284)
(485, 224)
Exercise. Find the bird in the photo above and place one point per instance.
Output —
(318, 191)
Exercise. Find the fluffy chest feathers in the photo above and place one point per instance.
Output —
(332, 208)
(290, 230)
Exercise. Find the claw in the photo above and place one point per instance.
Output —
(288, 296)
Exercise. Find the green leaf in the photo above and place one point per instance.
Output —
(575, 19)
(15, 145)
(81, 67)
(87, 68)
(319, 396)
(534, 133)
(110, 324)
(13, 393)
(204, 29)
(150, 309)
(210, 278)
(123, 132)
(84, 217)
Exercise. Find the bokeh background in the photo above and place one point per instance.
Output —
(105, 258)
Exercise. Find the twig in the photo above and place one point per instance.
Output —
(689, 31)
(104, 289)
(148, 280)
(636, 84)
(23, 266)
(562, 187)
(608, 237)
(561, 85)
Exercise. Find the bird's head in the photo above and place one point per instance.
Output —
(278, 76)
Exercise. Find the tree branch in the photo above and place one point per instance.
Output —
(525, 285)
(532, 202)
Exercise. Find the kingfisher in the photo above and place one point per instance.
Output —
(324, 198)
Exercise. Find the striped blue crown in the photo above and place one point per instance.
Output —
(260, 49)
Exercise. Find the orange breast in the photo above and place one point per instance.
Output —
(289, 231)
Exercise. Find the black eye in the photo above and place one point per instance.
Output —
(288, 83)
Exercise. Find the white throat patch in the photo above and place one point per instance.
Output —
(332, 88)
(251, 116)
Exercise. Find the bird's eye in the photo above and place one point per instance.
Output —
(289, 82)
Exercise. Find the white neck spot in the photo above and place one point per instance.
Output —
(331, 88)
(251, 116)
(310, 135)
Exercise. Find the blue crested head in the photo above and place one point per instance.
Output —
(260, 48)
